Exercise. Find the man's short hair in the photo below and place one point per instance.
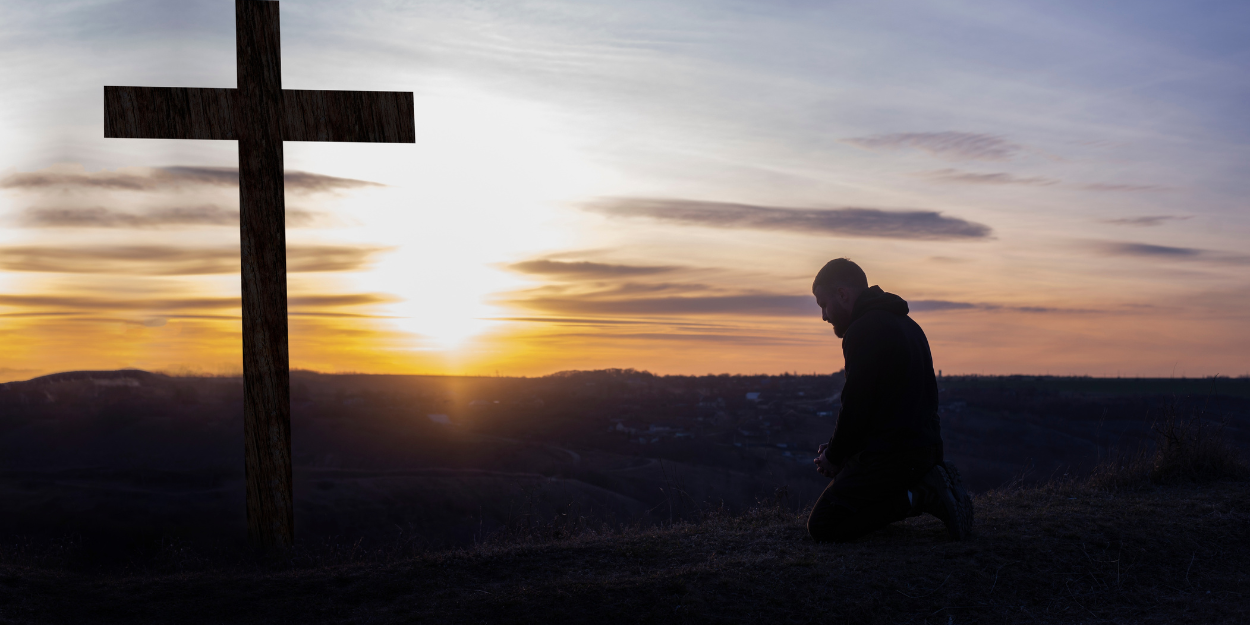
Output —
(840, 272)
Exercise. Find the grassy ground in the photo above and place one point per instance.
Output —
(1153, 537)
(1069, 553)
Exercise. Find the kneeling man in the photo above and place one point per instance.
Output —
(885, 456)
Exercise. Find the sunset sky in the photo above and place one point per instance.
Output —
(1056, 187)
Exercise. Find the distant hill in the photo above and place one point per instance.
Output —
(105, 377)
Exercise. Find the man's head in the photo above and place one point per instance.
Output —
(836, 288)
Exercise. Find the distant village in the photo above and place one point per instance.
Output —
(638, 409)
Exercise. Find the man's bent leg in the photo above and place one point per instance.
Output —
(870, 493)
(836, 520)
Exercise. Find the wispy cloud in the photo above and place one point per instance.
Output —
(169, 260)
(756, 304)
(38, 314)
(1148, 221)
(1111, 186)
(585, 269)
(348, 299)
(1003, 178)
(847, 222)
(1149, 250)
(599, 321)
(77, 302)
(971, 177)
(340, 315)
(1115, 248)
(165, 178)
(720, 338)
(748, 304)
(955, 146)
(934, 305)
(81, 303)
(100, 217)
(309, 182)
(937, 305)
(313, 258)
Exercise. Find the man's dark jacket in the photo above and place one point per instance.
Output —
(890, 399)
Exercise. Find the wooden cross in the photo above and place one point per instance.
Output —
(260, 115)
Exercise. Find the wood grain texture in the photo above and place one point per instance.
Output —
(262, 230)
(168, 113)
(356, 116)
(193, 113)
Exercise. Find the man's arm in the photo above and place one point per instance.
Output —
(869, 349)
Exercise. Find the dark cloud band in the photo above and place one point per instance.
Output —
(1167, 252)
(937, 305)
(159, 179)
(1112, 248)
(847, 222)
(585, 270)
(755, 304)
(100, 217)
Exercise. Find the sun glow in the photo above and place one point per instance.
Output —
(418, 258)
(481, 187)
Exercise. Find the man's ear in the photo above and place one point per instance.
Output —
(844, 295)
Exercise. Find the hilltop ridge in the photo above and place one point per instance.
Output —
(128, 458)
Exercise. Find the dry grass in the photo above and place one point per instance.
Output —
(1187, 448)
(1064, 553)
(1157, 538)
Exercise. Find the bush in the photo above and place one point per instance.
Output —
(1186, 449)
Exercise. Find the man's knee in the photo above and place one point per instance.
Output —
(826, 534)
(830, 525)
(834, 534)
(840, 524)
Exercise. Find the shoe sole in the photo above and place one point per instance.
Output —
(961, 523)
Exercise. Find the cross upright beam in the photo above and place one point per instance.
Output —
(260, 115)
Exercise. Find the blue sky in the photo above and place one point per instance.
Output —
(1060, 186)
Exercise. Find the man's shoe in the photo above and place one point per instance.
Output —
(942, 495)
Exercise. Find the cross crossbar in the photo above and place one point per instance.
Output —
(168, 113)
(194, 113)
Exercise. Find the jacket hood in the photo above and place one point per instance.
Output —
(876, 299)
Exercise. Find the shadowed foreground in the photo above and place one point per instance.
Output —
(1056, 554)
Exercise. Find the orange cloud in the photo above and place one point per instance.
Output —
(161, 260)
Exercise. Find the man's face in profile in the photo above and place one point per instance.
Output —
(835, 307)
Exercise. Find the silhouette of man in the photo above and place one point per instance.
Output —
(885, 456)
